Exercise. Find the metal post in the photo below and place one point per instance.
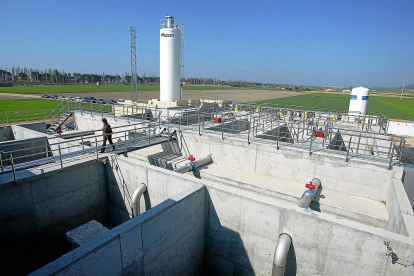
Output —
(278, 137)
(389, 150)
(250, 126)
(310, 146)
(47, 152)
(60, 157)
(83, 145)
(149, 135)
(14, 171)
(113, 110)
(349, 147)
(392, 153)
(96, 148)
(401, 152)
(125, 141)
(1, 163)
(359, 141)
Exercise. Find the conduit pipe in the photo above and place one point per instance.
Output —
(135, 205)
(194, 165)
(281, 253)
(309, 195)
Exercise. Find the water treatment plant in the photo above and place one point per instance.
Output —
(205, 187)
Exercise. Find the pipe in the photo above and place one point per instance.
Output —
(281, 253)
(194, 165)
(309, 195)
(136, 199)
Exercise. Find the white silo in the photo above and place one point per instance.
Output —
(170, 55)
(358, 101)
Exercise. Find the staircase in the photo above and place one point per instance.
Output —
(58, 116)
(60, 121)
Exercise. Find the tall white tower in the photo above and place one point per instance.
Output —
(358, 101)
(170, 57)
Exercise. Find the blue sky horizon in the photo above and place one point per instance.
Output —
(324, 43)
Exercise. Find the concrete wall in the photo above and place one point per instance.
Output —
(46, 205)
(21, 133)
(401, 217)
(124, 175)
(408, 181)
(86, 121)
(356, 177)
(244, 228)
(24, 151)
(166, 240)
(39, 127)
(6, 134)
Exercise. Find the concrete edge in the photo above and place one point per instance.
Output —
(89, 248)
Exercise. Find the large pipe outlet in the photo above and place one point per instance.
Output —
(194, 165)
(309, 195)
(281, 254)
(135, 205)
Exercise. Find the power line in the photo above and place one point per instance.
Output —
(66, 38)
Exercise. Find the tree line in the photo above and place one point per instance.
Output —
(29, 76)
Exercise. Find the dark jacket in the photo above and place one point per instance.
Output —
(106, 129)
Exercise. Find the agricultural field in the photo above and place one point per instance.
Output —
(392, 107)
(25, 109)
(52, 89)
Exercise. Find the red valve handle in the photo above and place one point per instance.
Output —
(191, 158)
(310, 186)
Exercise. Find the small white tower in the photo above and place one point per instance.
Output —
(170, 57)
(358, 101)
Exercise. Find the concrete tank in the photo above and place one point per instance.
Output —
(358, 101)
(170, 54)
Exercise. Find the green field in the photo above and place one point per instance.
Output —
(52, 89)
(391, 107)
(25, 109)
(38, 109)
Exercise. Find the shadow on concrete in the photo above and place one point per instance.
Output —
(291, 265)
(119, 196)
(315, 205)
(225, 253)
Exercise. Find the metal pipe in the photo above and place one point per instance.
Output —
(135, 205)
(194, 165)
(14, 171)
(309, 195)
(281, 254)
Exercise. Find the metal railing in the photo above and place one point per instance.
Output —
(138, 135)
(306, 129)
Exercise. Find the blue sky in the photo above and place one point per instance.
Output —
(368, 43)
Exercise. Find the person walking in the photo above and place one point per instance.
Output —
(107, 135)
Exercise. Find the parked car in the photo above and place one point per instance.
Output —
(71, 98)
(89, 99)
(121, 101)
(62, 98)
(78, 99)
(55, 97)
(100, 101)
(110, 101)
(45, 96)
